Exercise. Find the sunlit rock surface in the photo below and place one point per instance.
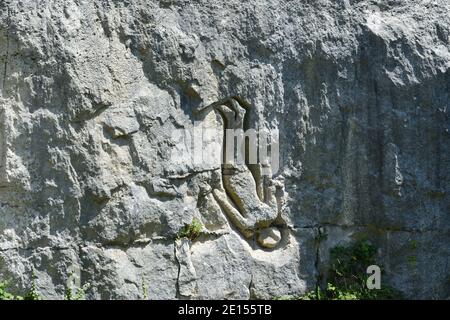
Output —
(93, 183)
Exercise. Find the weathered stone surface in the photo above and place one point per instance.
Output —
(187, 277)
(51, 265)
(138, 272)
(224, 262)
(92, 177)
(284, 267)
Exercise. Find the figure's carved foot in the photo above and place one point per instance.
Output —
(269, 237)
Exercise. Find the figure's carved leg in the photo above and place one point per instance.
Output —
(247, 194)
(270, 188)
(259, 179)
(243, 224)
(267, 236)
(240, 186)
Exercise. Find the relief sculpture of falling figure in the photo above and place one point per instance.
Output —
(247, 196)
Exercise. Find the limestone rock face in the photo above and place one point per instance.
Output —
(99, 106)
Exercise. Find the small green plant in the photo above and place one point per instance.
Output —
(75, 293)
(144, 290)
(191, 231)
(72, 292)
(32, 294)
(347, 276)
(4, 294)
(79, 293)
(412, 260)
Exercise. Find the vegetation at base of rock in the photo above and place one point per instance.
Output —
(30, 295)
(144, 290)
(74, 294)
(4, 294)
(70, 292)
(347, 277)
(191, 231)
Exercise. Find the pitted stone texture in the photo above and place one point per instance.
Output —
(93, 175)
(187, 285)
(224, 262)
(132, 273)
(283, 264)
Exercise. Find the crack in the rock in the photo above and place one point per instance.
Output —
(191, 173)
(177, 283)
(250, 285)
(317, 261)
(124, 246)
(35, 248)
(385, 229)
(5, 71)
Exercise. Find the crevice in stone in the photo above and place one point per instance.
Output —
(354, 226)
(211, 236)
(86, 116)
(191, 173)
(177, 283)
(122, 246)
(319, 276)
(5, 71)
(252, 295)
(35, 248)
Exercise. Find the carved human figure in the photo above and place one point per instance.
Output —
(246, 195)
